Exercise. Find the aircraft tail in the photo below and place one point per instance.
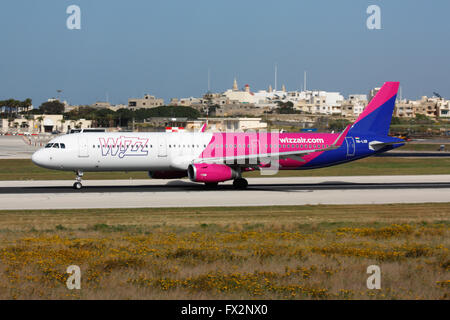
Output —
(376, 117)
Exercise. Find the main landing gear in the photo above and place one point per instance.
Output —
(240, 184)
(77, 185)
(211, 185)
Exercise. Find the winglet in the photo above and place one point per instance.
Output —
(203, 128)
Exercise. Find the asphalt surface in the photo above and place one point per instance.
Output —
(261, 191)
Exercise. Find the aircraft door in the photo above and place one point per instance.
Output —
(254, 143)
(350, 146)
(162, 146)
(83, 150)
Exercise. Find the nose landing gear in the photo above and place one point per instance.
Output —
(77, 185)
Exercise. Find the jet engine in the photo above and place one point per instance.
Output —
(211, 173)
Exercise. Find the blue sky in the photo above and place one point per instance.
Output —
(128, 48)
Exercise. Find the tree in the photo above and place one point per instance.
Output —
(40, 119)
(52, 107)
(62, 121)
(12, 107)
(25, 105)
(338, 124)
(286, 108)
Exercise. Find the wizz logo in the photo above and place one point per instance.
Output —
(124, 146)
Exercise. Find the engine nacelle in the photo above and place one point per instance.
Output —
(167, 174)
(207, 173)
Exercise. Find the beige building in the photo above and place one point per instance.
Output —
(234, 124)
(147, 102)
(233, 110)
(42, 123)
(404, 110)
(430, 107)
(427, 107)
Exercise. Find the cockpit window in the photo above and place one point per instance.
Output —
(56, 145)
(48, 145)
(62, 145)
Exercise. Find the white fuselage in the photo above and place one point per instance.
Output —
(128, 151)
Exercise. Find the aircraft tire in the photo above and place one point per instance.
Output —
(240, 183)
(211, 185)
(77, 185)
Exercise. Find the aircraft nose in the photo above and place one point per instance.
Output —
(38, 158)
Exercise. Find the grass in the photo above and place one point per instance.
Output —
(425, 147)
(23, 169)
(279, 252)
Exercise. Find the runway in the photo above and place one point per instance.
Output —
(261, 191)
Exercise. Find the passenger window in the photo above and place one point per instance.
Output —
(62, 145)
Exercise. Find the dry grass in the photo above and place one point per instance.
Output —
(299, 252)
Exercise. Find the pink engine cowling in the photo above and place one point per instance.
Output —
(210, 173)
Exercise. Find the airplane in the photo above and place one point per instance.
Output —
(211, 158)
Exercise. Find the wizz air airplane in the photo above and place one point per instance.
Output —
(211, 158)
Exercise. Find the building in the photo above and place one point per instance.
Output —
(354, 105)
(317, 102)
(240, 109)
(404, 110)
(234, 124)
(46, 123)
(427, 107)
(147, 102)
(373, 93)
(444, 109)
(185, 102)
(240, 96)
